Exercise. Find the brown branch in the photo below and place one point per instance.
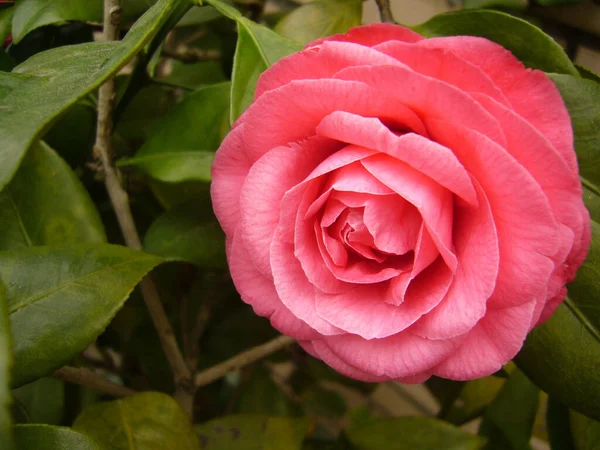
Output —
(87, 378)
(385, 11)
(243, 359)
(120, 202)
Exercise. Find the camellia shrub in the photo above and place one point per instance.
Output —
(263, 225)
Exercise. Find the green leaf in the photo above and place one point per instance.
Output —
(43, 400)
(588, 74)
(174, 167)
(30, 213)
(258, 48)
(61, 299)
(47, 84)
(176, 151)
(585, 431)
(189, 232)
(566, 342)
(582, 98)
(508, 427)
(511, 4)
(475, 396)
(47, 437)
(558, 426)
(252, 432)
(32, 14)
(320, 18)
(528, 43)
(412, 433)
(6, 363)
(148, 421)
(6, 16)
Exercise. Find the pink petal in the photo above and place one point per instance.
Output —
(321, 351)
(270, 177)
(316, 62)
(400, 355)
(530, 92)
(304, 103)
(429, 98)
(433, 201)
(259, 292)
(444, 66)
(494, 341)
(434, 160)
(364, 311)
(373, 34)
(527, 230)
(229, 171)
(293, 288)
(476, 248)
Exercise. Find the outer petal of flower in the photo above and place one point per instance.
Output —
(373, 34)
(401, 355)
(229, 171)
(320, 61)
(495, 340)
(259, 292)
(531, 93)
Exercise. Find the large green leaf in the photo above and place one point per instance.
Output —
(47, 437)
(582, 98)
(528, 43)
(179, 151)
(558, 426)
(6, 362)
(6, 16)
(411, 433)
(44, 86)
(149, 421)
(46, 204)
(61, 299)
(252, 432)
(32, 14)
(320, 18)
(508, 427)
(585, 432)
(561, 357)
(188, 232)
(257, 49)
(43, 401)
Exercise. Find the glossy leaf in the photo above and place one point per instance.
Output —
(43, 401)
(6, 362)
(257, 49)
(528, 43)
(190, 233)
(30, 213)
(47, 437)
(32, 14)
(148, 421)
(558, 426)
(47, 84)
(6, 16)
(320, 18)
(582, 98)
(475, 396)
(174, 167)
(585, 432)
(565, 341)
(61, 299)
(508, 421)
(411, 433)
(252, 432)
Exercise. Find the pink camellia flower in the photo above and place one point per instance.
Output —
(403, 207)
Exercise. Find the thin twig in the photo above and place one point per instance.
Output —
(192, 55)
(243, 359)
(87, 378)
(120, 202)
(385, 11)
